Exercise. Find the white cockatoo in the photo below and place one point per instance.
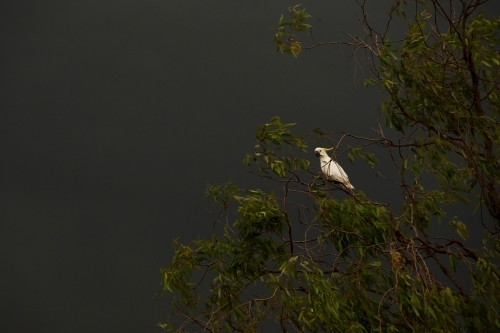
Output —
(332, 170)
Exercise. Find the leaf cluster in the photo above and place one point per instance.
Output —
(285, 31)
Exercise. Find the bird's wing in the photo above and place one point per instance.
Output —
(342, 173)
(335, 172)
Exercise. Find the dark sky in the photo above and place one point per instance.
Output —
(115, 115)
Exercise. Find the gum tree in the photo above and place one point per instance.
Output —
(307, 255)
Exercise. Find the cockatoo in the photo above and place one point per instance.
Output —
(332, 170)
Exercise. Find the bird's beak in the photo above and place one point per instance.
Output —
(317, 153)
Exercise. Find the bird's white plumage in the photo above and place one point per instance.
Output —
(331, 169)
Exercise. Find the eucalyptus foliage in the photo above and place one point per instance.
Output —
(303, 254)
